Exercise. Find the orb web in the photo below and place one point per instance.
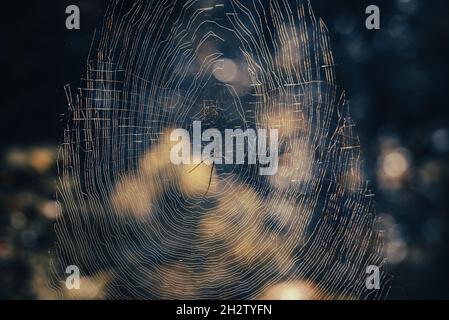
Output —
(139, 227)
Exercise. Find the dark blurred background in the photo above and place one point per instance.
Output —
(395, 80)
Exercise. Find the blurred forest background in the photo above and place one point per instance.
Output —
(395, 79)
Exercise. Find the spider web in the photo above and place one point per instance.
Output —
(143, 227)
